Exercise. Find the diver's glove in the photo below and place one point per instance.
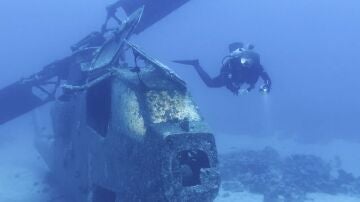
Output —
(264, 89)
(243, 91)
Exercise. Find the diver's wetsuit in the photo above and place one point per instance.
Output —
(233, 75)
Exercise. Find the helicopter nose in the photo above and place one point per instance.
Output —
(192, 166)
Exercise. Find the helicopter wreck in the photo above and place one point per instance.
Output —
(124, 126)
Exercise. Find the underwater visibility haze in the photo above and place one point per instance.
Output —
(299, 142)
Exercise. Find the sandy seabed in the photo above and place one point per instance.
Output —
(23, 177)
(249, 197)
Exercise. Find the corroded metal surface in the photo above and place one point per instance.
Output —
(124, 132)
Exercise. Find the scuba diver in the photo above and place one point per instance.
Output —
(242, 66)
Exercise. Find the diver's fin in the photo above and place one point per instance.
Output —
(187, 62)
